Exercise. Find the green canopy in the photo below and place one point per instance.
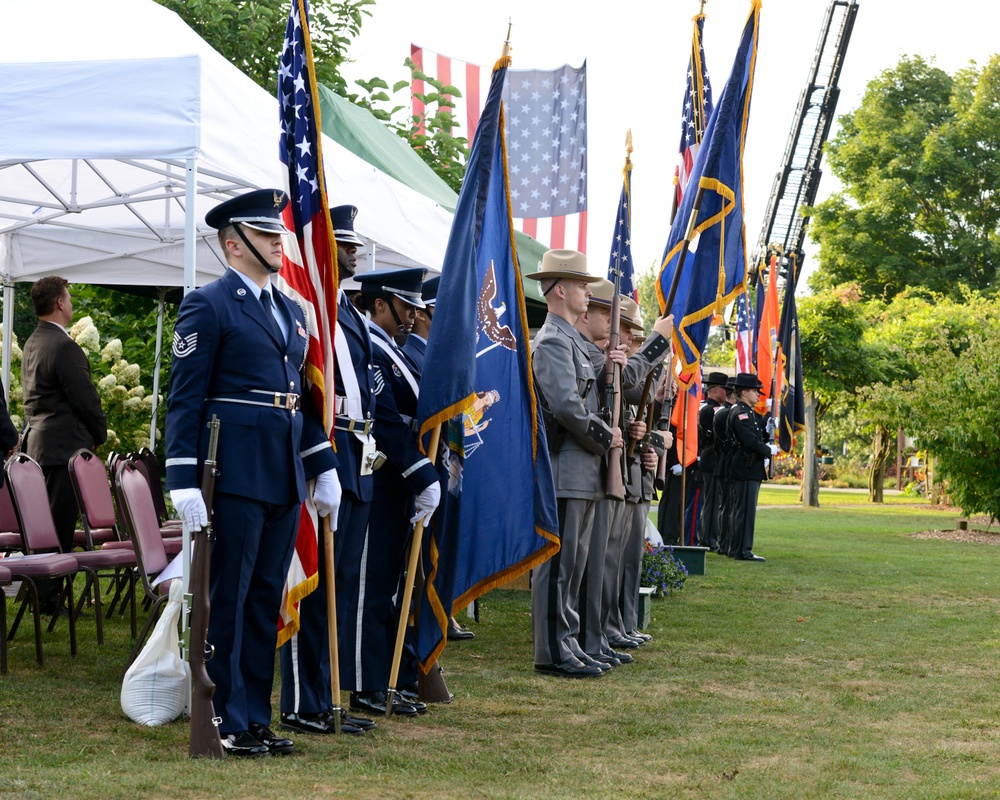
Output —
(357, 129)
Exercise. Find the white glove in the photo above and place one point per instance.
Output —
(767, 463)
(326, 495)
(676, 469)
(190, 506)
(774, 449)
(767, 404)
(427, 501)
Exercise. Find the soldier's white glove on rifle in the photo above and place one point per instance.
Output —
(326, 495)
(676, 469)
(767, 463)
(190, 506)
(427, 501)
(774, 449)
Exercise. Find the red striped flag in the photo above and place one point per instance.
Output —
(309, 270)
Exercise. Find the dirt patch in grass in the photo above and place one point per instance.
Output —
(972, 536)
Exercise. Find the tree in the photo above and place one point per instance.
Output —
(251, 33)
(919, 160)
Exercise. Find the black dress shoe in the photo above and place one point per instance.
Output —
(752, 557)
(374, 703)
(410, 696)
(363, 723)
(623, 642)
(590, 661)
(317, 724)
(243, 744)
(571, 668)
(457, 633)
(604, 658)
(623, 658)
(639, 635)
(275, 744)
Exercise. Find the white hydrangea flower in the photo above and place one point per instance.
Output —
(112, 350)
(105, 383)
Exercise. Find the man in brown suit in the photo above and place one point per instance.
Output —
(61, 404)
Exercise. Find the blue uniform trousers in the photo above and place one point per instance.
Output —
(305, 658)
(253, 548)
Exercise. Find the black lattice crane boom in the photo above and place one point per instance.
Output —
(797, 180)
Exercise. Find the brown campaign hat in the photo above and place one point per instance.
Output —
(603, 292)
(563, 264)
(631, 314)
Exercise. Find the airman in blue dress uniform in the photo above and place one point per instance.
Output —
(241, 360)
(306, 702)
(406, 488)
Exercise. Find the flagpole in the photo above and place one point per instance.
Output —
(331, 621)
(411, 574)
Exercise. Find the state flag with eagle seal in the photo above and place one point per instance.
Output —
(497, 517)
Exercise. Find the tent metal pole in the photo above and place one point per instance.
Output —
(190, 242)
(8, 334)
(161, 307)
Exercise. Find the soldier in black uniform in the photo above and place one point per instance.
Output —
(723, 458)
(748, 467)
(715, 396)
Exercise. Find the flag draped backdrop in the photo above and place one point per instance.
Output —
(745, 328)
(713, 270)
(546, 128)
(497, 517)
(309, 270)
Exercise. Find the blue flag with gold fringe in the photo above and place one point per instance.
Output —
(497, 518)
(715, 265)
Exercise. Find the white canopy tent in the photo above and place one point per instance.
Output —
(122, 127)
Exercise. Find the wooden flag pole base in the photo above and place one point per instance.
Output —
(331, 622)
(411, 574)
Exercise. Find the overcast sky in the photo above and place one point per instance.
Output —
(637, 54)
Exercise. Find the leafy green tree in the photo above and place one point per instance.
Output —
(920, 161)
(251, 33)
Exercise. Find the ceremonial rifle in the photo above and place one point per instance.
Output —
(205, 739)
(614, 485)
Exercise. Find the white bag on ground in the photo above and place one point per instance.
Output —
(653, 534)
(155, 688)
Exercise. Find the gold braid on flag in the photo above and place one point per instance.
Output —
(311, 372)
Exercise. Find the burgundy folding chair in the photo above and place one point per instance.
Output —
(10, 531)
(27, 488)
(139, 514)
(5, 580)
(146, 462)
(89, 478)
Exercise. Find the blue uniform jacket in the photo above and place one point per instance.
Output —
(416, 349)
(395, 408)
(224, 347)
(349, 447)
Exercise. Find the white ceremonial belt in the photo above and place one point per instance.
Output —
(362, 426)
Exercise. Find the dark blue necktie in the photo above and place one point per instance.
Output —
(265, 299)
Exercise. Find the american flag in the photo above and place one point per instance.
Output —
(621, 243)
(697, 109)
(546, 134)
(745, 326)
(309, 269)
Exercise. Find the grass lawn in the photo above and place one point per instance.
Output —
(858, 662)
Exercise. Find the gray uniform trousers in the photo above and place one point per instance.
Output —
(555, 585)
(614, 625)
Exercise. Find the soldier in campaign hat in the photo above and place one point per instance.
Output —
(239, 347)
(749, 464)
(578, 438)
(306, 702)
(406, 489)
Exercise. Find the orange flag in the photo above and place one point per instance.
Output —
(768, 347)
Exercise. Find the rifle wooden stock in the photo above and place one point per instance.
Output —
(204, 740)
(614, 485)
(651, 379)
